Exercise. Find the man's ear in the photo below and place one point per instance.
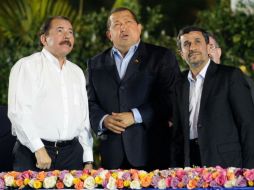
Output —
(108, 34)
(209, 48)
(219, 51)
(43, 39)
(140, 27)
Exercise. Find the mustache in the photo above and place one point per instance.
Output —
(67, 42)
(192, 52)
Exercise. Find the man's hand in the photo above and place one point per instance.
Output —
(113, 124)
(118, 122)
(88, 166)
(126, 118)
(42, 158)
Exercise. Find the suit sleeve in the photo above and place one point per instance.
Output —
(95, 111)
(177, 145)
(243, 110)
(168, 74)
(161, 102)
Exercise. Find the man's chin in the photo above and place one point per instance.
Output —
(195, 64)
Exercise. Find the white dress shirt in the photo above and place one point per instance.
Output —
(47, 102)
(196, 87)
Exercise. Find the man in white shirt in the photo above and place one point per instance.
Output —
(48, 105)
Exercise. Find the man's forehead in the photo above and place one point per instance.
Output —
(60, 23)
(121, 15)
(211, 40)
(192, 35)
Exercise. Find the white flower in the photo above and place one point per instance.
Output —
(231, 169)
(230, 183)
(162, 184)
(49, 182)
(135, 184)
(111, 183)
(120, 174)
(31, 183)
(89, 183)
(187, 169)
(103, 174)
(68, 180)
(8, 180)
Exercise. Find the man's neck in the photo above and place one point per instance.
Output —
(61, 60)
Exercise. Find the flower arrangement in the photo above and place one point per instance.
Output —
(134, 179)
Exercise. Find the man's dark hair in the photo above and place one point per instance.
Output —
(189, 29)
(120, 9)
(45, 27)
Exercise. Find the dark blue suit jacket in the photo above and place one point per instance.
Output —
(149, 79)
(225, 123)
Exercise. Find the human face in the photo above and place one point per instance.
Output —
(194, 49)
(215, 51)
(60, 40)
(124, 31)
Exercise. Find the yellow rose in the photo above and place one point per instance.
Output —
(98, 180)
(250, 183)
(114, 175)
(126, 183)
(37, 184)
(26, 181)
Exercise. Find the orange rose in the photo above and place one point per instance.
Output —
(59, 185)
(180, 185)
(205, 185)
(79, 185)
(192, 184)
(41, 176)
(146, 181)
(56, 172)
(19, 182)
(119, 183)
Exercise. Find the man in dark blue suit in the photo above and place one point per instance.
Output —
(128, 85)
(213, 112)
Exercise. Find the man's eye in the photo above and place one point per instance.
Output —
(116, 24)
(59, 30)
(186, 44)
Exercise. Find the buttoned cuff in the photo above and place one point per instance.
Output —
(137, 115)
(35, 145)
(101, 128)
(88, 155)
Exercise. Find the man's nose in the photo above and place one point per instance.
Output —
(123, 27)
(192, 46)
(67, 35)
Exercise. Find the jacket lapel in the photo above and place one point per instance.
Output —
(207, 86)
(110, 66)
(135, 62)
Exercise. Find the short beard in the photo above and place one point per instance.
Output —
(196, 64)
